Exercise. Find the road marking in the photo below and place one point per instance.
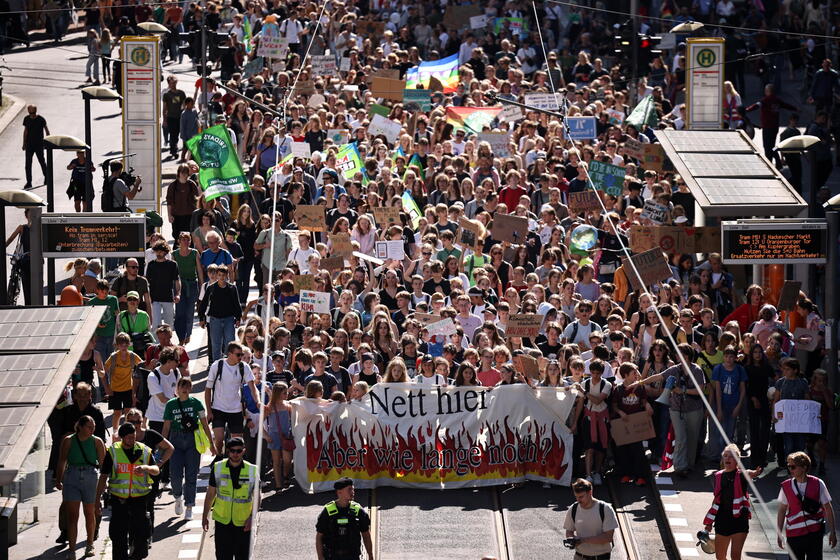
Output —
(669, 493)
(663, 480)
(655, 468)
(194, 524)
(672, 507)
(686, 552)
(188, 553)
(190, 538)
(683, 537)
(678, 521)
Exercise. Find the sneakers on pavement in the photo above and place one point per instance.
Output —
(179, 505)
(188, 513)
(89, 550)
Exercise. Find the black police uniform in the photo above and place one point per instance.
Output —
(342, 528)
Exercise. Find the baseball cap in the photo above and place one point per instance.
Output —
(132, 295)
(278, 354)
(426, 358)
(367, 356)
(343, 482)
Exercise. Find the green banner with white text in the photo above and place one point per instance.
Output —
(220, 171)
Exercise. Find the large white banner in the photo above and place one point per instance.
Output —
(406, 435)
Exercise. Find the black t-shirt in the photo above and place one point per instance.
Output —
(430, 286)
(329, 382)
(334, 214)
(35, 128)
(173, 100)
(343, 540)
(550, 350)
(162, 277)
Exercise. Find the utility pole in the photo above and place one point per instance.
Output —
(634, 42)
(205, 112)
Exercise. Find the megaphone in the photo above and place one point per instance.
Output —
(706, 542)
(665, 397)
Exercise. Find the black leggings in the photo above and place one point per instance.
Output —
(807, 547)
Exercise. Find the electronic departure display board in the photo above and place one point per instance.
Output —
(90, 235)
(774, 242)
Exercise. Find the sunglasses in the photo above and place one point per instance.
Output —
(133, 266)
(237, 450)
(237, 354)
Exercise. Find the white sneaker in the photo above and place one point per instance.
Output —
(597, 480)
(179, 505)
(188, 513)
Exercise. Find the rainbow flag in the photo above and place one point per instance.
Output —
(445, 70)
(472, 119)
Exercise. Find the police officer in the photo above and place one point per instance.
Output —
(130, 466)
(342, 525)
(233, 487)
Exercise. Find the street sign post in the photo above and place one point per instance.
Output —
(704, 83)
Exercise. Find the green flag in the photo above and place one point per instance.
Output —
(220, 172)
(248, 34)
(410, 207)
(644, 113)
(348, 161)
(415, 160)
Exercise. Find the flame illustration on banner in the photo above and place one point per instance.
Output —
(434, 437)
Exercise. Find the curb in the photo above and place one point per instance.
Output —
(657, 496)
(11, 114)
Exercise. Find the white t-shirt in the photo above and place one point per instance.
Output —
(608, 369)
(300, 256)
(583, 332)
(435, 379)
(825, 497)
(587, 523)
(166, 385)
(227, 389)
(597, 390)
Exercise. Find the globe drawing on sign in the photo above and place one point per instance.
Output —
(584, 237)
(213, 151)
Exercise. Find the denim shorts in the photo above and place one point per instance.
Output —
(79, 484)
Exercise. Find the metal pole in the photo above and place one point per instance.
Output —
(88, 158)
(4, 294)
(205, 113)
(36, 266)
(50, 209)
(634, 42)
(831, 311)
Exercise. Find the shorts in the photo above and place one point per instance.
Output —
(120, 400)
(727, 525)
(79, 484)
(233, 421)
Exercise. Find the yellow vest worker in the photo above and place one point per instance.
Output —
(130, 467)
(234, 485)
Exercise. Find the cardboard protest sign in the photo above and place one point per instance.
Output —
(305, 87)
(272, 43)
(444, 327)
(426, 319)
(457, 17)
(301, 149)
(510, 113)
(498, 142)
(671, 239)
(338, 136)
(344, 64)
(655, 212)
(333, 263)
(253, 67)
(584, 201)
(314, 302)
(797, 416)
(391, 73)
(387, 88)
(373, 28)
(323, 65)
(806, 339)
(707, 240)
(316, 100)
(386, 127)
(386, 216)
(303, 282)
(545, 101)
(525, 325)
(635, 427)
(789, 295)
(527, 365)
(616, 117)
(341, 245)
(417, 99)
(634, 149)
(394, 250)
(654, 158)
(652, 266)
(469, 232)
(607, 177)
(511, 228)
(310, 217)
(478, 22)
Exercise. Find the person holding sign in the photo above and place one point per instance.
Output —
(629, 398)
(795, 387)
(805, 511)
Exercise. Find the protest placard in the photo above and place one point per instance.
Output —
(581, 128)
(253, 67)
(377, 109)
(386, 127)
(634, 149)
(310, 217)
(394, 250)
(469, 234)
(652, 266)
(333, 263)
(655, 212)
(546, 101)
(303, 282)
(527, 365)
(387, 88)
(671, 239)
(510, 228)
(707, 239)
(806, 339)
(426, 319)
(304, 87)
(478, 22)
(607, 177)
(498, 142)
(314, 302)
(368, 258)
(366, 27)
(301, 149)
(789, 295)
(417, 99)
(654, 157)
(525, 325)
(323, 65)
(272, 43)
(616, 117)
(458, 17)
(632, 428)
(444, 327)
(794, 416)
(584, 201)
(338, 136)
(386, 216)
(344, 64)
(341, 244)
(510, 113)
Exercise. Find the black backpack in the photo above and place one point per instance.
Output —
(219, 376)
(107, 198)
(600, 511)
(143, 395)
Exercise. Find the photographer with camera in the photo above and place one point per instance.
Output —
(805, 511)
(119, 188)
(589, 524)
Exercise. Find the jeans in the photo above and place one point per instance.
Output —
(162, 312)
(39, 153)
(185, 309)
(686, 430)
(793, 442)
(183, 469)
(661, 423)
(728, 422)
(92, 62)
(221, 332)
(243, 277)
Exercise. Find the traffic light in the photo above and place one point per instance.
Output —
(622, 41)
(647, 50)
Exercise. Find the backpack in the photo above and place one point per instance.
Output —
(141, 374)
(107, 199)
(600, 511)
(219, 376)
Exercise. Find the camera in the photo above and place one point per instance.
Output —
(129, 178)
(571, 542)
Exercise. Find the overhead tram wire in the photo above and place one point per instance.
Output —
(670, 336)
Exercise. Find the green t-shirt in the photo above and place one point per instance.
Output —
(186, 265)
(109, 318)
(175, 408)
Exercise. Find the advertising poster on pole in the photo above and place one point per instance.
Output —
(704, 83)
